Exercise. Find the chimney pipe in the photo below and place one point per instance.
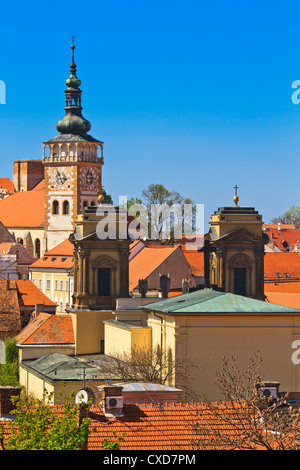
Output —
(6, 405)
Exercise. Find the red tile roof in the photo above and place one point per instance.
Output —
(286, 234)
(7, 183)
(61, 256)
(65, 248)
(145, 262)
(31, 295)
(48, 328)
(4, 247)
(196, 261)
(40, 186)
(288, 262)
(23, 209)
(283, 293)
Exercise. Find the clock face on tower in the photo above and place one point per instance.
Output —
(60, 178)
(89, 179)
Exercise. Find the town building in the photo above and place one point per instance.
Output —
(52, 274)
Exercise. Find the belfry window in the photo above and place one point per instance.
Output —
(55, 207)
(66, 207)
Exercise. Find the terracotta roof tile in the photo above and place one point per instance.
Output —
(61, 256)
(281, 263)
(196, 261)
(7, 183)
(156, 427)
(17, 209)
(31, 294)
(286, 234)
(145, 262)
(48, 328)
(283, 293)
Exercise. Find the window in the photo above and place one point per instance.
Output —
(61, 306)
(40, 284)
(48, 284)
(101, 346)
(37, 248)
(240, 281)
(61, 285)
(56, 285)
(55, 207)
(278, 275)
(286, 275)
(66, 207)
(104, 281)
(67, 285)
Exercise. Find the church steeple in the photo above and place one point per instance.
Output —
(72, 162)
(73, 122)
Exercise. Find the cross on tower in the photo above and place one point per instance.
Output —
(236, 198)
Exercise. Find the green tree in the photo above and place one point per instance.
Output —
(291, 216)
(11, 351)
(40, 426)
(156, 197)
(112, 442)
(9, 372)
(107, 197)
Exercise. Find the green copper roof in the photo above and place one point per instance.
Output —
(73, 138)
(212, 301)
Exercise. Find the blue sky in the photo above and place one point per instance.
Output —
(193, 95)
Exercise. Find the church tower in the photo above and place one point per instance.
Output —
(235, 248)
(72, 167)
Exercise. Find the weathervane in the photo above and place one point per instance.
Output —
(235, 198)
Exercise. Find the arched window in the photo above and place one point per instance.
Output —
(55, 207)
(85, 204)
(92, 203)
(66, 207)
(37, 248)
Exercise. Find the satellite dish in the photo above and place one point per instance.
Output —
(81, 397)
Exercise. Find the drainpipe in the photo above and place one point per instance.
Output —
(161, 342)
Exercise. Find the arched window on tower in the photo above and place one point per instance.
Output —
(55, 207)
(66, 207)
(37, 248)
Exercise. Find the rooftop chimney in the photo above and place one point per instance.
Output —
(112, 400)
(6, 405)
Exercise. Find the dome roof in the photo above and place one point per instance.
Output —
(72, 124)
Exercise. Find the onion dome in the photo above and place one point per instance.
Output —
(73, 122)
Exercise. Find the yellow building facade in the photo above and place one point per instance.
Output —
(53, 275)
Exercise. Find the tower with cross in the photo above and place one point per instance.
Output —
(72, 165)
(234, 250)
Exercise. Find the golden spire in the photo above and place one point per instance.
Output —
(235, 197)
